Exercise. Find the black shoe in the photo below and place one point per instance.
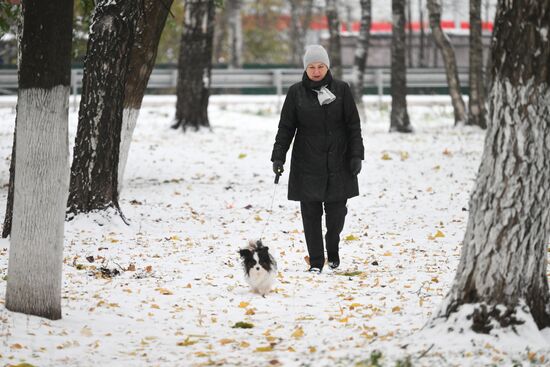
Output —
(333, 260)
(315, 270)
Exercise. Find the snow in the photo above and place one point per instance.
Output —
(194, 199)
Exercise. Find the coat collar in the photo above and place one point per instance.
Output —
(311, 84)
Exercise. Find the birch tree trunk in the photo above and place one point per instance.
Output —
(300, 20)
(235, 34)
(335, 48)
(94, 172)
(195, 65)
(504, 252)
(41, 160)
(476, 102)
(142, 60)
(444, 44)
(399, 115)
(361, 54)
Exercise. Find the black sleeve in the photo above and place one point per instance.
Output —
(353, 125)
(287, 128)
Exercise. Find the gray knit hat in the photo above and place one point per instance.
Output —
(316, 53)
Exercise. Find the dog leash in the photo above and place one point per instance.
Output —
(277, 176)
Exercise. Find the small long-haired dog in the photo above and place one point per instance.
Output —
(260, 268)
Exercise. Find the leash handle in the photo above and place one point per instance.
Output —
(277, 178)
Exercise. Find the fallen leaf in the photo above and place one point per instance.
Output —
(268, 348)
(186, 342)
(351, 238)
(243, 304)
(16, 346)
(404, 155)
(386, 156)
(86, 331)
(226, 341)
(242, 155)
(396, 309)
(298, 333)
(165, 291)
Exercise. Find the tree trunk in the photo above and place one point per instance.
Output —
(504, 253)
(335, 49)
(444, 44)
(399, 115)
(408, 21)
(300, 19)
(6, 230)
(476, 102)
(220, 35)
(142, 60)
(195, 65)
(94, 172)
(361, 54)
(42, 160)
(422, 51)
(235, 34)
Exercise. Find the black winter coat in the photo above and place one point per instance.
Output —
(327, 137)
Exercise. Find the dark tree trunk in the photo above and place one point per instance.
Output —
(422, 51)
(94, 172)
(361, 54)
(235, 33)
(300, 19)
(399, 115)
(409, 34)
(195, 65)
(476, 102)
(504, 252)
(444, 44)
(142, 60)
(42, 159)
(335, 49)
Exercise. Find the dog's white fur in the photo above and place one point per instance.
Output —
(260, 280)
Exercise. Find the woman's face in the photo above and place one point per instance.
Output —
(316, 71)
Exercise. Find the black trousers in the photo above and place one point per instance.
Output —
(335, 213)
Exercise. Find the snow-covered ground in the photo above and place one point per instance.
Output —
(194, 199)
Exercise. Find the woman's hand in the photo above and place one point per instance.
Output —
(355, 166)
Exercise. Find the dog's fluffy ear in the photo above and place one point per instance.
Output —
(245, 253)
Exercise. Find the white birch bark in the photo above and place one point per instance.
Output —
(129, 120)
(40, 197)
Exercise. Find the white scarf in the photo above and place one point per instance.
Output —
(324, 95)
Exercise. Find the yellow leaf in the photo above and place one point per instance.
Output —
(387, 253)
(437, 168)
(258, 218)
(186, 342)
(312, 349)
(355, 305)
(290, 349)
(175, 238)
(226, 341)
(351, 238)
(421, 301)
(344, 320)
(243, 304)
(531, 356)
(404, 155)
(164, 291)
(244, 344)
(16, 346)
(86, 331)
(242, 155)
(250, 312)
(439, 234)
(396, 309)
(188, 285)
(114, 240)
(435, 280)
(386, 156)
(154, 305)
(298, 333)
(268, 348)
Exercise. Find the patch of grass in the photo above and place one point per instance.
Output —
(242, 325)
(373, 361)
(351, 273)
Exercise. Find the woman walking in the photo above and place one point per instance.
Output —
(319, 113)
